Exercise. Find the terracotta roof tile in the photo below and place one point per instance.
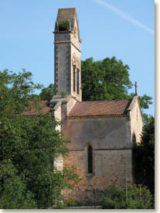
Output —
(93, 108)
(33, 112)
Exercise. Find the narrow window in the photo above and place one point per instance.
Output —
(78, 81)
(90, 164)
(74, 78)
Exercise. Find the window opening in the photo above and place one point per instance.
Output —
(90, 156)
(74, 78)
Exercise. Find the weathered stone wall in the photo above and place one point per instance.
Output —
(76, 60)
(101, 132)
(70, 104)
(61, 109)
(136, 120)
(62, 63)
(58, 162)
(67, 54)
(112, 154)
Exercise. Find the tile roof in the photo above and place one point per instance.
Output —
(44, 109)
(93, 108)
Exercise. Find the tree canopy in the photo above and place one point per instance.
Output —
(105, 80)
(28, 148)
(108, 79)
(47, 93)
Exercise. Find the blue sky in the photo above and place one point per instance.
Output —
(120, 28)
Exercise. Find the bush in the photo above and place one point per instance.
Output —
(114, 198)
(74, 203)
(138, 197)
(133, 197)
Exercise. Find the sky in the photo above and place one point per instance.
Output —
(120, 28)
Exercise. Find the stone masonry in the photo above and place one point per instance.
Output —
(106, 128)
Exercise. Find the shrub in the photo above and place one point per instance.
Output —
(133, 197)
(63, 93)
(138, 197)
(114, 198)
(74, 203)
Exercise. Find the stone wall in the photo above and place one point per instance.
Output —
(112, 155)
(67, 53)
(136, 120)
(62, 63)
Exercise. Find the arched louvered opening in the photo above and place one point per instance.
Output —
(74, 78)
(77, 81)
(90, 159)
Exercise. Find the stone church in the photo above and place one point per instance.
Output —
(101, 132)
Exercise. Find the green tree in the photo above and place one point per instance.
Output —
(47, 93)
(145, 101)
(108, 79)
(105, 80)
(143, 156)
(14, 193)
(28, 147)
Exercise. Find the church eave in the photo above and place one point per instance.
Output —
(99, 116)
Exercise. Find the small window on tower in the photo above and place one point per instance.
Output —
(78, 81)
(74, 78)
(90, 160)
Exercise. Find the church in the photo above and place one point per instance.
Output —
(101, 133)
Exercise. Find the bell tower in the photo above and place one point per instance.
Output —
(67, 53)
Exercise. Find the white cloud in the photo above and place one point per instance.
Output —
(125, 16)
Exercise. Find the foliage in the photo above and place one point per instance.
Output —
(105, 80)
(28, 147)
(138, 197)
(64, 93)
(47, 93)
(145, 101)
(74, 203)
(63, 26)
(143, 156)
(114, 198)
(133, 197)
(14, 193)
(108, 79)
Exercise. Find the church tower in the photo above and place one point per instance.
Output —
(67, 53)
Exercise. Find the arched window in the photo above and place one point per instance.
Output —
(90, 159)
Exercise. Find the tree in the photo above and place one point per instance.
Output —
(14, 193)
(108, 79)
(105, 80)
(145, 101)
(47, 93)
(143, 157)
(28, 147)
